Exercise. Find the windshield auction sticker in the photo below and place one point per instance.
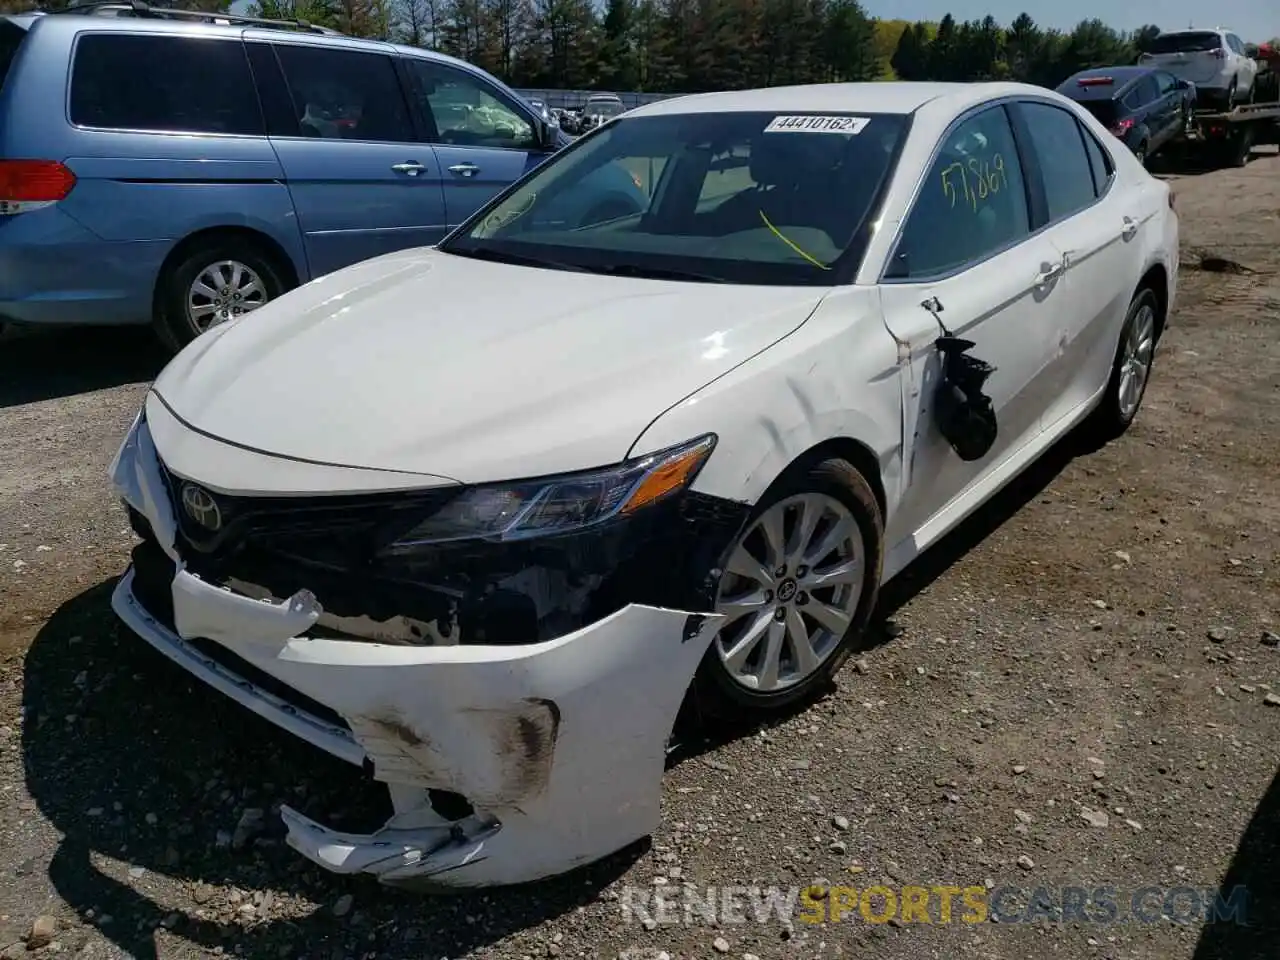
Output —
(815, 124)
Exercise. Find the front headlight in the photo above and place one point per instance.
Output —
(536, 508)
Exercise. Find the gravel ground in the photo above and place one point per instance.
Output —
(1075, 689)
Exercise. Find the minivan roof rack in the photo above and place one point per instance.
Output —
(139, 8)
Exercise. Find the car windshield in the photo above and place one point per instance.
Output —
(722, 197)
(1185, 43)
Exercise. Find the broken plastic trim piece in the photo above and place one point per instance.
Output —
(391, 854)
(964, 414)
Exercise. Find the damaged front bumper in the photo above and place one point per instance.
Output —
(557, 747)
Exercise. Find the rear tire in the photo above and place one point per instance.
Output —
(808, 561)
(1130, 370)
(240, 275)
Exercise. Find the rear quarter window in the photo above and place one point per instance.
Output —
(165, 84)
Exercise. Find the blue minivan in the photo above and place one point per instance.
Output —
(182, 168)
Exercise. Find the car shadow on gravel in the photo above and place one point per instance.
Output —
(1254, 867)
(47, 364)
(141, 767)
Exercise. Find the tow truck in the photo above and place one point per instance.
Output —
(1226, 137)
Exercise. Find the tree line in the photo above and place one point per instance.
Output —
(691, 46)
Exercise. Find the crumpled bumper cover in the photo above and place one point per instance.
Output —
(559, 746)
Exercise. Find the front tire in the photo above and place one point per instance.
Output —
(797, 590)
(1131, 369)
(218, 280)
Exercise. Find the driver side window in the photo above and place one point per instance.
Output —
(972, 204)
(464, 112)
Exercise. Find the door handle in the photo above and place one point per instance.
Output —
(411, 167)
(464, 169)
(1050, 272)
(1130, 229)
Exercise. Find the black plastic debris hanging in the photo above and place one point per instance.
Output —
(964, 414)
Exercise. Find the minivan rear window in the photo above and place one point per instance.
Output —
(169, 84)
(1185, 43)
(11, 37)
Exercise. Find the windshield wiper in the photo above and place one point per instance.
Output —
(654, 273)
(517, 259)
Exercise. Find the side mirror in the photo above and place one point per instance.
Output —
(548, 135)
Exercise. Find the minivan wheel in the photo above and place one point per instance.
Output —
(1141, 153)
(797, 589)
(217, 281)
(1231, 95)
(1131, 369)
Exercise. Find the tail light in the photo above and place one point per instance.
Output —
(1122, 127)
(25, 182)
(1219, 54)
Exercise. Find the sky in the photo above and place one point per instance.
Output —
(1254, 20)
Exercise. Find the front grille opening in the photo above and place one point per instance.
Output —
(450, 805)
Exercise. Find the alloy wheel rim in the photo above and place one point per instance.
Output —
(223, 291)
(789, 592)
(1135, 360)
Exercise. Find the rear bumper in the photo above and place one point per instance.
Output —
(54, 271)
(558, 747)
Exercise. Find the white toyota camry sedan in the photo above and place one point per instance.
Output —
(479, 517)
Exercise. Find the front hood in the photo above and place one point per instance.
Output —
(425, 362)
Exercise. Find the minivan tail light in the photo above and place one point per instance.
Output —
(1122, 127)
(33, 181)
(1219, 54)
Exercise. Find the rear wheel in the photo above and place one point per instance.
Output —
(1140, 151)
(1232, 94)
(1130, 370)
(218, 280)
(797, 590)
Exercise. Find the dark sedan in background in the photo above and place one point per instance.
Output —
(1144, 107)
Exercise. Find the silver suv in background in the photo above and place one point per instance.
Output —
(1214, 60)
(599, 108)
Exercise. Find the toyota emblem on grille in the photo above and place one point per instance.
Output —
(201, 507)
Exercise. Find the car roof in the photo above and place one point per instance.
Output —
(895, 97)
(132, 24)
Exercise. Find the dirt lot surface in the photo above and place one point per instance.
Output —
(1077, 692)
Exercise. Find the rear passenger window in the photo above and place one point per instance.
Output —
(164, 84)
(1099, 162)
(973, 202)
(345, 94)
(1059, 146)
